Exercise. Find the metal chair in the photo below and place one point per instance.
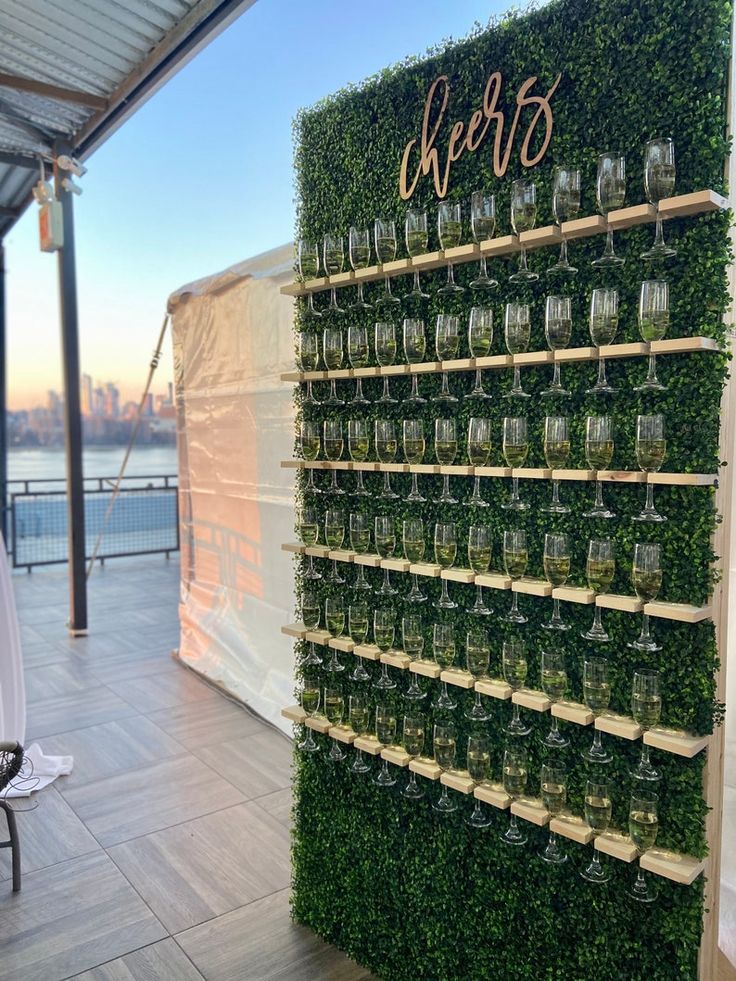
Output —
(11, 761)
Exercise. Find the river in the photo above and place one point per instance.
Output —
(42, 463)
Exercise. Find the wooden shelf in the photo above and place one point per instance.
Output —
(573, 712)
(537, 701)
(343, 734)
(396, 755)
(493, 794)
(459, 780)
(532, 587)
(617, 845)
(427, 669)
(675, 741)
(679, 868)
(425, 767)
(369, 651)
(396, 659)
(618, 725)
(530, 809)
(494, 688)
(369, 744)
(458, 677)
(344, 644)
(573, 827)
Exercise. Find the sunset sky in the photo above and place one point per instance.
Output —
(198, 179)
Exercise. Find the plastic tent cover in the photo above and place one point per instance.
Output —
(232, 337)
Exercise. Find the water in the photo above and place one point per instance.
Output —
(43, 463)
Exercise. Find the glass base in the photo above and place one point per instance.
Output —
(555, 509)
(553, 855)
(592, 874)
(336, 754)
(555, 625)
(311, 401)
(473, 502)
(387, 300)
(649, 516)
(415, 399)
(648, 774)
(602, 757)
(478, 393)
(515, 506)
(598, 636)
(334, 308)
(359, 401)
(476, 713)
(386, 591)
(599, 513)
(334, 667)
(444, 398)
(514, 617)
(644, 645)
(384, 683)
(335, 401)
(364, 585)
(554, 740)
(413, 597)
(518, 729)
(562, 269)
(386, 496)
(416, 498)
(313, 574)
(384, 779)
(480, 610)
(311, 314)
(512, 836)
(308, 746)
(359, 674)
(414, 693)
(650, 386)
(412, 791)
(450, 288)
(608, 260)
(445, 805)
(312, 661)
(446, 499)
(478, 820)
(386, 400)
(524, 276)
(445, 604)
(600, 390)
(659, 252)
(483, 283)
(416, 295)
(551, 392)
(643, 892)
(358, 305)
(444, 704)
(335, 580)
(360, 766)
(516, 393)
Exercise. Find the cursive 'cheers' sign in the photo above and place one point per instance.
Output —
(470, 137)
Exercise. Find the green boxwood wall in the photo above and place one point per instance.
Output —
(408, 894)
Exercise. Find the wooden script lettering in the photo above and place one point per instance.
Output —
(470, 137)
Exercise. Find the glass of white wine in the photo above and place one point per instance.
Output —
(359, 446)
(600, 568)
(413, 638)
(310, 443)
(333, 259)
(359, 718)
(358, 629)
(447, 346)
(445, 553)
(359, 250)
(597, 697)
(359, 357)
(558, 332)
(308, 359)
(360, 542)
(479, 762)
(515, 669)
(386, 722)
(384, 236)
(413, 542)
(515, 561)
(477, 659)
(334, 702)
(523, 219)
(334, 537)
(384, 633)
(565, 207)
(308, 525)
(643, 827)
(414, 449)
(610, 195)
(479, 560)
(308, 267)
(598, 809)
(443, 649)
(310, 704)
(651, 449)
(387, 447)
(311, 618)
(515, 447)
(659, 183)
(554, 798)
(414, 729)
(445, 451)
(654, 322)
(556, 455)
(556, 562)
(332, 355)
(598, 454)
(646, 578)
(445, 747)
(335, 624)
(450, 232)
(517, 333)
(483, 227)
(415, 352)
(385, 341)
(479, 452)
(417, 241)
(515, 774)
(554, 686)
(480, 339)
(646, 708)
(603, 327)
(384, 532)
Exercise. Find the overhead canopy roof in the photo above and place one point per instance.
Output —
(73, 70)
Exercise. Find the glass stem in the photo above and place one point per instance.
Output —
(417, 285)
(555, 492)
(387, 488)
(310, 573)
(658, 235)
(512, 824)
(514, 489)
(359, 487)
(360, 294)
(563, 253)
(645, 635)
(445, 693)
(522, 260)
(515, 609)
(446, 485)
(445, 596)
(414, 386)
(387, 285)
(598, 619)
(556, 618)
(443, 796)
(360, 578)
(445, 385)
(478, 380)
(652, 368)
(597, 742)
(556, 382)
(450, 275)
(386, 390)
(517, 379)
(310, 482)
(602, 380)
(359, 397)
(478, 703)
(608, 251)
(412, 774)
(649, 505)
(333, 390)
(599, 493)
(415, 484)
(515, 717)
(483, 268)
(555, 726)
(645, 755)
(310, 306)
(476, 489)
(595, 865)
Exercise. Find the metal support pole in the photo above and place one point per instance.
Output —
(3, 406)
(72, 415)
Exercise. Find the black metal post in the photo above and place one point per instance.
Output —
(72, 415)
(3, 406)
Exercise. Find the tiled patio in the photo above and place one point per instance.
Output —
(165, 854)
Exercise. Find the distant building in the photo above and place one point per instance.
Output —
(148, 405)
(86, 395)
(112, 401)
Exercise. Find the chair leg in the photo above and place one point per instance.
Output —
(14, 843)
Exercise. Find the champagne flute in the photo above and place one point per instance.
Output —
(610, 194)
(523, 219)
(359, 249)
(414, 729)
(384, 633)
(384, 234)
(565, 207)
(334, 702)
(597, 697)
(599, 570)
(643, 827)
(335, 623)
(556, 455)
(308, 264)
(415, 351)
(414, 448)
(445, 553)
(385, 538)
(358, 630)
(480, 339)
(651, 448)
(332, 355)
(598, 809)
(477, 658)
(517, 328)
(413, 541)
(413, 638)
(310, 704)
(479, 560)
(358, 356)
(309, 441)
(558, 331)
(515, 560)
(333, 444)
(554, 686)
(515, 667)
(443, 649)
(479, 452)
(449, 230)
(445, 746)
(385, 340)
(387, 446)
(478, 761)
(310, 618)
(599, 453)
(515, 451)
(556, 562)
(603, 325)
(334, 537)
(483, 227)
(308, 524)
(359, 716)
(515, 773)
(659, 183)
(417, 240)
(646, 708)
(445, 450)
(646, 578)
(308, 359)
(359, 444)
(360, 542)
(554, 797)
(333, 258)
(447, 345)
(654, 322)
(386, 735)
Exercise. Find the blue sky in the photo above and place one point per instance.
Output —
(200, 178)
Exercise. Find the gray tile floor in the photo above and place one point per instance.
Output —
(165, 854)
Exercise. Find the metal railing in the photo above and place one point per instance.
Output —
(143, 521)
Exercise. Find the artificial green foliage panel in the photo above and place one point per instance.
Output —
(408, 894)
